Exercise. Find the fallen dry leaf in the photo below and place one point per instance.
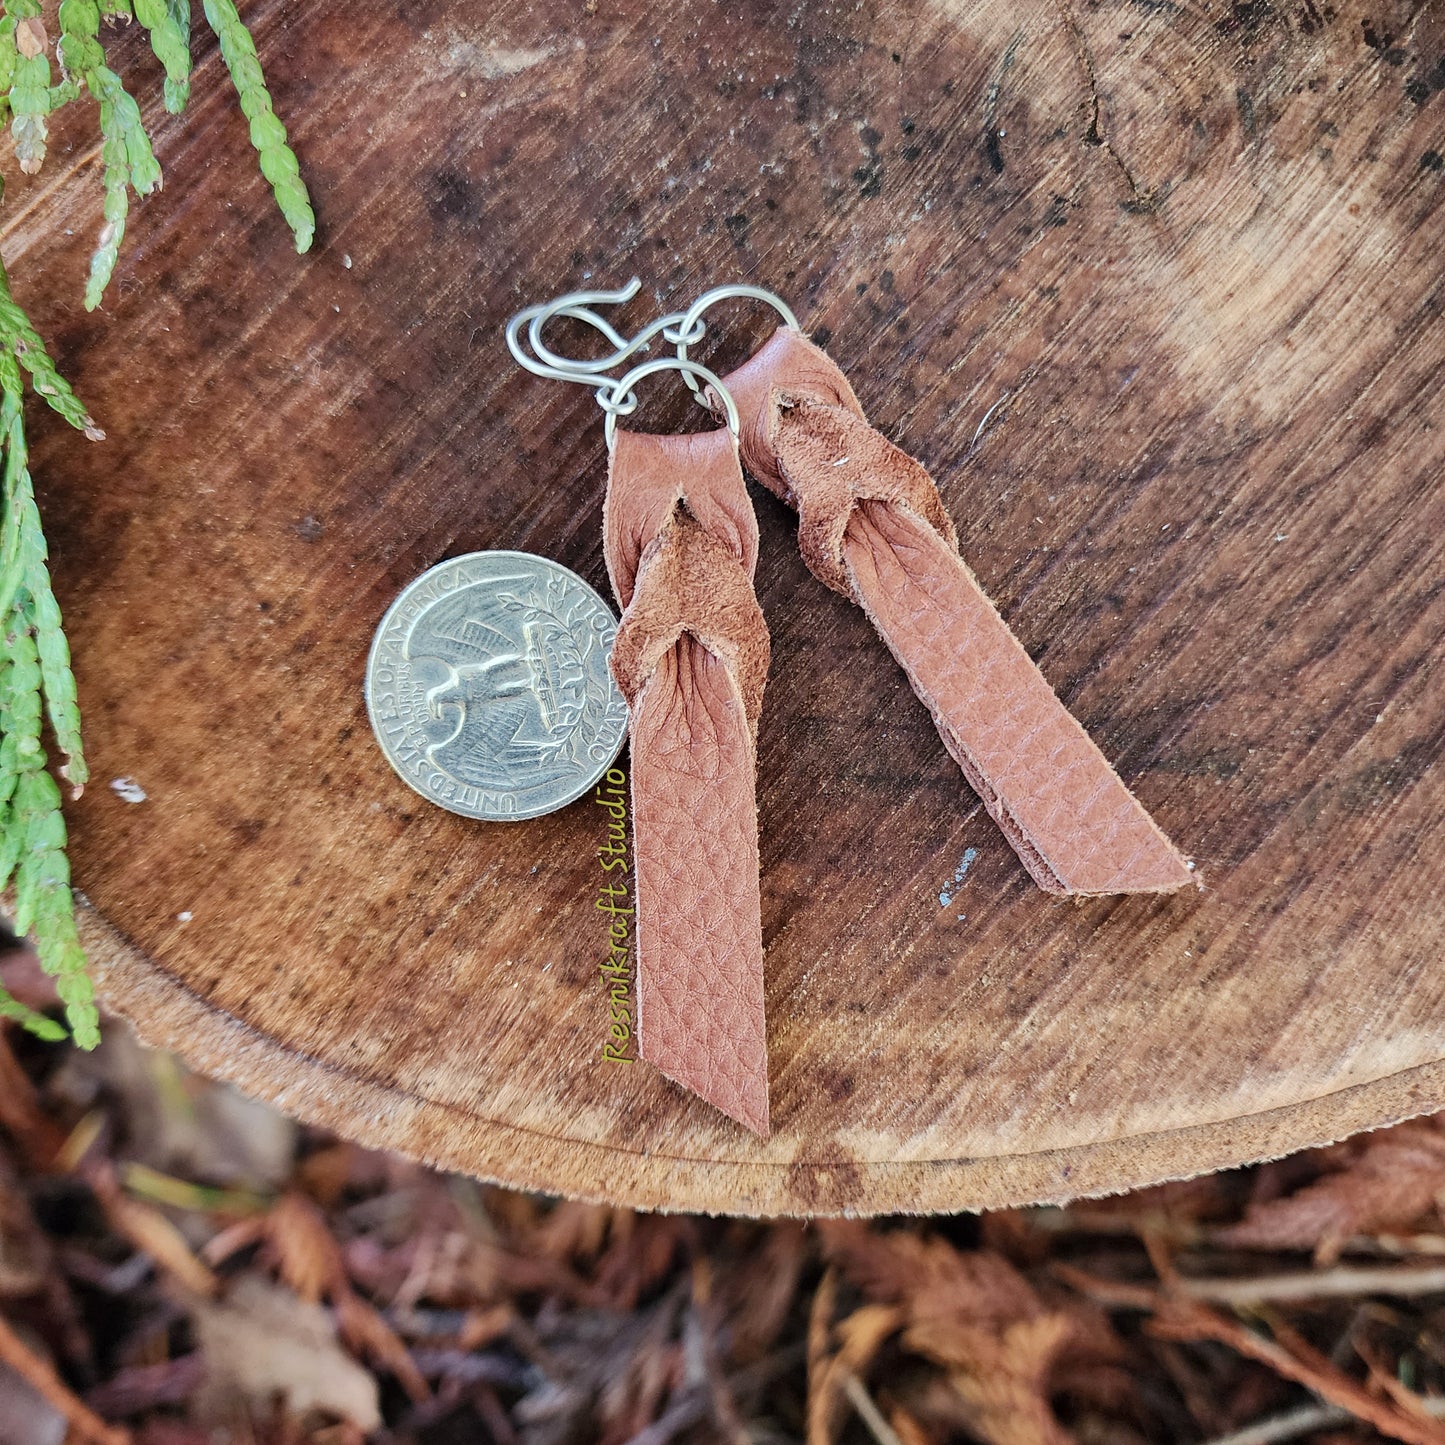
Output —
(861, 1335)
(1384, 1181)
(971, 1313)
(311, 1262)
(264, 1341)
(307, 1256)
(41, 1378)
(150, 1231)
(759, 1290)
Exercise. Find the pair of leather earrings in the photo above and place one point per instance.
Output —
(691, 658)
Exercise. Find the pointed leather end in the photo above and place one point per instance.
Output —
(1143, 861)
(727, 1081)
(1163, 870)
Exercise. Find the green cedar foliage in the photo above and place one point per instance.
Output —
(36, 682)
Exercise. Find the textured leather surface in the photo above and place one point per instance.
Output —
(691, 657)
(872, 526)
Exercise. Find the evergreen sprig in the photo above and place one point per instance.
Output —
(36, 682)
(169, 28)
(128, 162)
(35, 678)
(126, 155)
(268, 135)
(29, 97)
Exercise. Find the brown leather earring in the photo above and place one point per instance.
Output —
(691, 658)
(872, 526)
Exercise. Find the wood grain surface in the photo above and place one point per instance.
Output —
(1189, 255)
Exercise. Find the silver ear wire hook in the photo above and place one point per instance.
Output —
(623, 399)
(554, 367)
(577, 305)
(681, 335)
(550, 369)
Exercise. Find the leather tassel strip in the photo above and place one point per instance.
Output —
(872, 526)
(691, 657)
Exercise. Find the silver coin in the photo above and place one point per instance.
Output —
(488, 688)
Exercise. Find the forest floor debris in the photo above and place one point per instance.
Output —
(181, 1266)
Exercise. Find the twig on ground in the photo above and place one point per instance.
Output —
(868, 1412)
(41, 1377)
(1181, 1319)
(1241, 1293)
(1293, 1423)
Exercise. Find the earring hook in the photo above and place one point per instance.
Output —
(577, 306)
(681, 335)
(623, 399)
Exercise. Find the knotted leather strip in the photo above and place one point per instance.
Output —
(691, 657)
(872, 526)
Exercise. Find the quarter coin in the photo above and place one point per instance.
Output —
(488, 687)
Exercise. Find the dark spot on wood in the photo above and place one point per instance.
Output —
(1057, 213)
(911, 153)
(1245, 21)
(1417, 91)
(1432, 161)
(1244, 104)
(885, 282)
(870, 136)
(907, 125)
(993, 150)
(1394, 56)
(822, 336)
(737, 227)
(1382, 782)
(869, 177)
(1373, 434)
(452, 197)
(309, 529)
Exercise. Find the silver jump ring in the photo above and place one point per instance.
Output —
(622, 392)
(681, 336)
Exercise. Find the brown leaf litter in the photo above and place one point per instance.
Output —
(180, 1266)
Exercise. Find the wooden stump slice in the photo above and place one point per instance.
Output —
(1154, 292)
